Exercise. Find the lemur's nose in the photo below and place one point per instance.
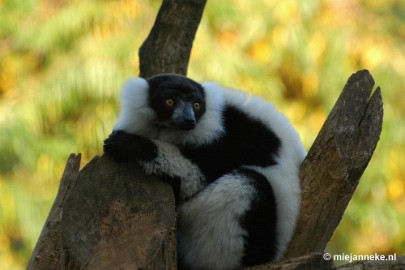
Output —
(189, 121)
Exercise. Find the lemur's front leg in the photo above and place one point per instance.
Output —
(123, 146)
(157, 158)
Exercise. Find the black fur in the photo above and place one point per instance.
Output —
(242, 137)
(128, 147)
(178, 88)
(260, 222)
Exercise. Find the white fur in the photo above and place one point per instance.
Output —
(171, 162)
(209, 235)
(136, 115)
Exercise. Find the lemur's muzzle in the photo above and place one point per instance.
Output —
(184, 117)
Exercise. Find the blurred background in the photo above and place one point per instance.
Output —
(62, 64)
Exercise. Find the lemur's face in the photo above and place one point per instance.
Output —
(178, 101)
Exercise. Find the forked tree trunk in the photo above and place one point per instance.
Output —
(112, 216)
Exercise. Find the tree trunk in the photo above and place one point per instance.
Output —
(168, 46)
(46, 254)
(116, 217)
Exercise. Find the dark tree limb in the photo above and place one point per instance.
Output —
(168, 46)
(316, 261)
(311, 261)
(332, 169)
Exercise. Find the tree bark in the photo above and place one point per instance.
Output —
(168, 46)
(46, 253)
(116, 217)
(332, 169)
(316, 261)
(310, 261)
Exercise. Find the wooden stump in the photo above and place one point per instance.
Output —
(113, 217)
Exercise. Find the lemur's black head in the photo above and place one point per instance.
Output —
(178, 101)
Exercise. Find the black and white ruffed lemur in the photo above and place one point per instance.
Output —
(232, 159)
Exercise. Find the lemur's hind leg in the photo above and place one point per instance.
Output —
(230, 223)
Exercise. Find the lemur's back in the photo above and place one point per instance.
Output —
(245, 141)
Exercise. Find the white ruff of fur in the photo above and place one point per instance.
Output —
(136, 115)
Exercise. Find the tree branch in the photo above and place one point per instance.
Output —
(309, 261)
(46, 253)
(168, 46)
(332, 169)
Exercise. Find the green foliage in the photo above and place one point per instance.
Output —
(62, 64)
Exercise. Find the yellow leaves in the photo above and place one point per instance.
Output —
(9, 69)
(286, 11)
(373, 56)
(7, 260)
(227, 39)
(48, 169)
(124, 8)
(372, 238)
(310, 83)
(43, 164)
(4, 243)
(317, 45)
(261, 51)
(280, 35)
(116, 15)
(395, 190)
(15, 65)
(7, 204)
(370, 51)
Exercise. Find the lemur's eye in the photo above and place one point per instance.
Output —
(169, 102)
(196, 106)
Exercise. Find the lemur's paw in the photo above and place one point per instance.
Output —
(122, 146)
